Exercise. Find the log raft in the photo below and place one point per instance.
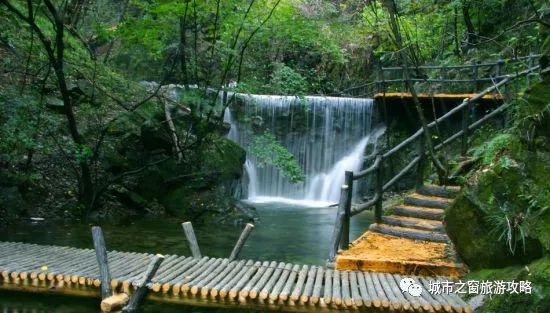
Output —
(215, 282)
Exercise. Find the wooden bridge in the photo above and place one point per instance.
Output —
(219, 282)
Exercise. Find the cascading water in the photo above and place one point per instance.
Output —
(327, 136)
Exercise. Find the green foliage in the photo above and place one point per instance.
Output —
(512, 224)
(492, 149)
(269, 151)
(286, 81)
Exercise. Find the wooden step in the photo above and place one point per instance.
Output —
(409, 233)
(412, 222)
(418, 212)
(448, 192)
(416, 199)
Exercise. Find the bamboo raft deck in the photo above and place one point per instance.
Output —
(216, 281)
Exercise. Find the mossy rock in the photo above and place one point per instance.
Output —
(467, 226)
(207, 190)
(537, 272)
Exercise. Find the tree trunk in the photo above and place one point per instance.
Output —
(470, 29)
(183, 45)
(394, 24)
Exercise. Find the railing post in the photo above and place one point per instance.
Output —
(421, 161)
(346, 201)
(465, 124)
(379, 190)
(380, 79)
(338, 226)
(475, 76)
(404, 79)
(102, 261)
(500, 63)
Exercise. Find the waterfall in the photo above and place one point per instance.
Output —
(327, 136)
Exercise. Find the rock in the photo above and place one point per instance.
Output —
(470, 220)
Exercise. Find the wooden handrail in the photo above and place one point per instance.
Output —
(340, 236)
(367, 171)
(486, 64)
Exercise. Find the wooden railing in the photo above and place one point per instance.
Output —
(465, 78)
(340, 235)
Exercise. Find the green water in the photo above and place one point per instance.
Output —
(284, 232)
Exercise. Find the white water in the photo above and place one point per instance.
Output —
(327, 136)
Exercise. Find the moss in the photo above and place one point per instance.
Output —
(538, 273)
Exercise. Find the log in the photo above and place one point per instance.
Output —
(156, 282)
(135, 270)
(173, 276)
(417, 303)
(101, 255)
(205, 289)
(327, 295)
(274, 294)
(234, 291)
(447, 307)
(269, 286)
(250, 284)
(289, 283)
(240, 243)
(216, 289)
(192, 240)
(264, 279)
(346, 295)
(372, 280)
(354, 286)
(201, 273)
(235, 280)
(366, 296)
(394, 286)
(299, 284)
(132, 267)
(190, 274)
(318, 285)
(394, 301)
(336, 295)
(210, 277)
(114, 302)
(142, 288)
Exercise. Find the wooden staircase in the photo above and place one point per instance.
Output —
(411, 238)
(421, 215)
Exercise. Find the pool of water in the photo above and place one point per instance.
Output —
(284, 232)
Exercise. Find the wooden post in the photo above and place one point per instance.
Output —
(498, 73)
(337, 231)
(348, 181)
(475, 76)
(465, 124)
(240, 243)
(404, 79)
(442, 75)
(381, 80)
(421, 161)
(142, 287)
(101, 255)
(191, 239)
(379, 189)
